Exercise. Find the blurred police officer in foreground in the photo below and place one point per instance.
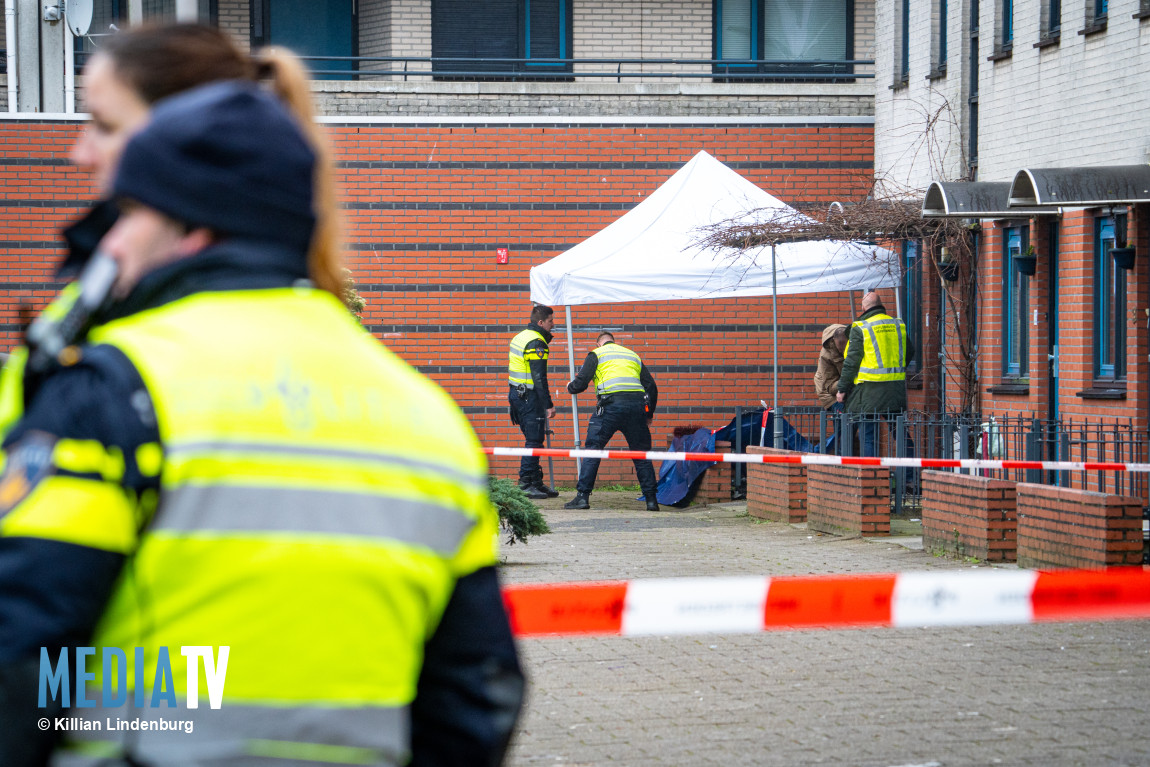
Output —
(627, 396)
(231, 460)
(529, 396)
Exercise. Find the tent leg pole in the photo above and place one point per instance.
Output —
(777, 442)
(574, 404)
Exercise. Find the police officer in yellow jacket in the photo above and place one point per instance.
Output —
(627, 396)
(529, 396)
(873, 379)
(231, 463)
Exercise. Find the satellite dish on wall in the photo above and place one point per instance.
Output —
(78, 15)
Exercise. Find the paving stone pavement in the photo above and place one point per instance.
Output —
(1071, 694)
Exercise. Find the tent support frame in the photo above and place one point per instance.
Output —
(574, 404)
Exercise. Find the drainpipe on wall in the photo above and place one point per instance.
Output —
(69, 71)
(10, 39)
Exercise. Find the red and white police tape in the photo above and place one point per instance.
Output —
(824, 460)
(731, 605)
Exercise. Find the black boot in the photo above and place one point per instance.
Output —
(550, 492)
(580, 501)
(536, 493)
(652, 503)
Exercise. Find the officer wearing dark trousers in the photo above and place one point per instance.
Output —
(529, 396)
(627, 398)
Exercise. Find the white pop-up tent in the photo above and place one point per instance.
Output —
(652, 253)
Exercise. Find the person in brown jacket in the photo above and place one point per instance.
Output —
(830, 365)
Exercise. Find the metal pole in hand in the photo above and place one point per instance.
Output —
(550, 462)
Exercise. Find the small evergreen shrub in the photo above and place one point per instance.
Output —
(518, 516)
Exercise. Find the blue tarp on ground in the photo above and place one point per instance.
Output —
(677, 479)
(752, 432)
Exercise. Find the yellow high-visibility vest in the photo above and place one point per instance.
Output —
(309, 518)
(618, 369)
(884, 349)
(518, 363)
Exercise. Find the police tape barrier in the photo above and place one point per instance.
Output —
(817, 459)
(733, 605)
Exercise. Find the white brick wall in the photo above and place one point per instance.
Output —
(235, 19)
(864, 30)
(1081, 102)
(1085, 101)
(394, 28)
(655, 29)
(906, 152)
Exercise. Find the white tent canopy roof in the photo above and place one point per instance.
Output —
(651, 253)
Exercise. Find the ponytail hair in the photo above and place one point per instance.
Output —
(158, 61)
(285, 74)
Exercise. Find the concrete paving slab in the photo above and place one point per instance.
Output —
(1053, 695)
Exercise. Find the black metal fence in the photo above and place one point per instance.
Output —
(997, 437)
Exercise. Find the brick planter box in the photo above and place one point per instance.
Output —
(776, 491)
(1063, 527)
(846, 500)
(967, 516)
(715, 485)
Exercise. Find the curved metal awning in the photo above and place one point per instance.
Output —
(1081, 187)
(973, 199)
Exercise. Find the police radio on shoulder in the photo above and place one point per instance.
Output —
(47, 336)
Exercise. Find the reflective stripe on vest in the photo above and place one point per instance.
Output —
(618, 369)
(353, 735)
(518, 368)
(12, 375)
(310, 517)
(884, 349)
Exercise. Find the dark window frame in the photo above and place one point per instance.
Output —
(776, 72)
(259, 12)
(476, 68)
(1015, 306)
(1109, 365)
(911, 298)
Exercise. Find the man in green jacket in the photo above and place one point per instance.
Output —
(873, 380)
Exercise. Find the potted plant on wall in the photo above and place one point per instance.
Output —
(947, 266)
(1027, 263)
(1123, 257)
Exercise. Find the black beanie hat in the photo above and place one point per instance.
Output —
(226, 156)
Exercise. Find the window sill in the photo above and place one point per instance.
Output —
(1001, 53)
(937, 73)
(1093, 29)
(1010, 388)
(1049, 41)
(1142, 14)
(1103, 391)
(898, 85)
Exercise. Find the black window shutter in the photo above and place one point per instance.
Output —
(545, 26)
(470, 30)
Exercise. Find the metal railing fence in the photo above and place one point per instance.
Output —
(566, 69)
(1005, 437)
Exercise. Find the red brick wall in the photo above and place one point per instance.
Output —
(715, 484)
(428, 204)
(1063, 527)
(969, 516)
(848, 499)
(776, 491)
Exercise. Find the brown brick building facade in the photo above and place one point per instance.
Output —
(426, 206)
